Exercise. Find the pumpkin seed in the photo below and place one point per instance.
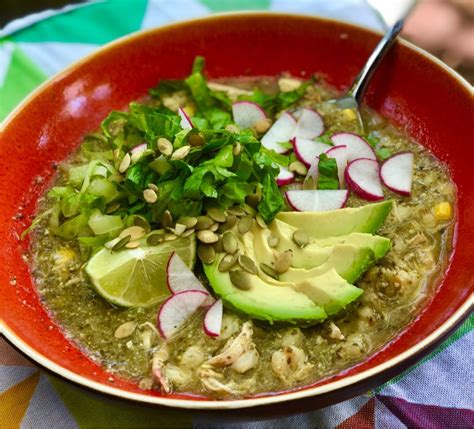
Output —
(196, 139)
(169, 237)
(135, 232)
(245, 224)
(203, 222)
(125, 330)
(273, 241)
(237, 211)
(234, 129)
(121, 243)
(227, 262)
(110, 244)
(207, 236)
(112, 207)
(154, 239)
(132, 244)
(262, 125)
(179, 228)
(141, 222)
(189, 221)
(214, 227)
(181, 153)
(298, 167)
(167, 219)
(217, 214)
(219, 246)
(252, 200)
(187, 233)
(150, 196)
(283, 262)
(230, 243)
(300, 238)
(248, 264)
(237, 149)
(260, 222)
(240, 279)
(229, 223)
(123, 167)
(165, 146)
(269, 271)
(153, 187)
(206, 253)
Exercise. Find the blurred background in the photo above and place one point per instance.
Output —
(443, 27)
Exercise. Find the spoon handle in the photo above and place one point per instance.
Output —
(359, 86)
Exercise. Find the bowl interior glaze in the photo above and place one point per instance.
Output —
(416, 93)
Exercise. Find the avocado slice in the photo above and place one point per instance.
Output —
(262, 300)
(329, 290)
(331, 223)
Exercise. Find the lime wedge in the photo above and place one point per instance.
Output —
(137, 277)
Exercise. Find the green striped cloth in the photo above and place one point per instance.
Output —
(38, 46)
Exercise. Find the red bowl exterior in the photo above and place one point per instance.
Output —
(413, 91)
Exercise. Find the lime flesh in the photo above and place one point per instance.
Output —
(137, 277)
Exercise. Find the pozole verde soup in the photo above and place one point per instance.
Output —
(239, 236)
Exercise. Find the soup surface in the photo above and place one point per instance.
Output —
(271, 357)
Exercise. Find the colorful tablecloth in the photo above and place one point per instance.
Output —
(436, 393)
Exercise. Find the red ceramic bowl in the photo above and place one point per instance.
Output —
(414, 90)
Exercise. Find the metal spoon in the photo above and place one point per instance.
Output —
(353, 97)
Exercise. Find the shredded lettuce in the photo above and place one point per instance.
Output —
(327, 178)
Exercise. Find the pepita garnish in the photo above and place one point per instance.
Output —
(181, 153)
(135, 232)
(273, 241)
(142, 222)
(260, 222)
(123, 167)
(167, 219)
(150, 196)
(283, 262)
(262, 125)
(121, 243)
(165, 146)
(214, 227)
(248, 264)
(169, 237)
(300, 238)
(112, 207)
(269, 271)
(125, 330)
(230, 221)
(203, 222)
(227, 262)
(189, 221)
(298, 167)
(206, 236)
(219, 246)
(237, 211)
(132, 244)
(240, 279)
(229, 242)
(245, 224)
(206, 253)
(154, 239)
(188, 232)
(196, 139)
(217, 214)
(252, 200)
(153, 187)
(237, 149)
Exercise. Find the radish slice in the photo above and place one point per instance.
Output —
(185, 123)
(281, 131)
(317, 201)
(339, 153)
(213, 319)
(307, 150)
(285, 177)
(179, 277)
(138, 148)
(312, 174)
(357, 147)
(310, 124)
(177, 309)
(362, 176)
(246, 113)
(397, 173)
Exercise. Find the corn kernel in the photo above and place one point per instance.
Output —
(349, 114)
(443, 211)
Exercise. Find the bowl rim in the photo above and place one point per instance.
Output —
(205, 403)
